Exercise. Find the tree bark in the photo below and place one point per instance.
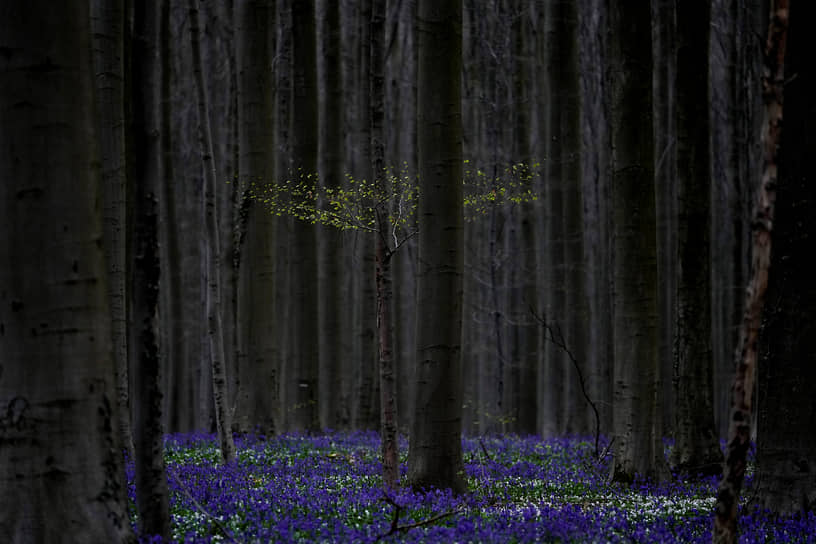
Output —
(60, 452)
(786, 444)
(334, 412)
(215, 330)
(696, 449)
(435, 457)
(739, 431)
(304, 357)
(566, 95)
(664, 28)
(283, 169)
(383, 253)
(108, 30)
(636, 424)
(152, 494)
(257, 393)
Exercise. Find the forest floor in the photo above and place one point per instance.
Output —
(327, 488)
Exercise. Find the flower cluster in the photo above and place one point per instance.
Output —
(327, 488)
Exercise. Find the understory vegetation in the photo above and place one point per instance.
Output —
(327, 488)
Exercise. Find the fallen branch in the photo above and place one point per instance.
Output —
(561, 343)
(397, 528)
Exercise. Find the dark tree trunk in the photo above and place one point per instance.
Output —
(152, 494)
(258, 372)
(213, 291)
(334, 382)
(108, 28)
(61, 470)
(303, 360)
(697, 448)
(435, 457)
(786, 443)
(637, 428)
(739, 431)
(383, 253)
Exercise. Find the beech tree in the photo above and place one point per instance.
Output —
(146, 179)
(786, 443)
(212, 244)
(435, 454)
(742, 389)
(301, 372)
(637, 433)
(697, 448)
(60, 455)
(108, 28)
(258, 369)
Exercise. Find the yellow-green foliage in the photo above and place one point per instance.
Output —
(387, 205)
(514, 184)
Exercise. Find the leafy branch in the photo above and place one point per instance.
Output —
(515, 185)
(387, 206)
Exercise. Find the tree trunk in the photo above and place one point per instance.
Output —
(283, 169)
(595, 161)
(435, 458)
(696, 448)
(212, 297)
(107, 27)
(786, 444)
(566, 96)
(664, 28)
(60, 452)
(152, 494)
(334, 382)
(367, 376)
(302, 382)
(257, 394)
(739, 431)
(557, 368)
(383, 253)
(637, 429)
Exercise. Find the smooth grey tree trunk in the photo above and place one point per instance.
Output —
(367, 382)
(107, 26)
(566, 96)
(212, 294)
(696, 449)
(334, 382)
(636, 424)
(557, 368)
(283, 169)
(665, 141)
(435, 456)
(303, 360)
(257, 401)
(595, 151)
(61, 471)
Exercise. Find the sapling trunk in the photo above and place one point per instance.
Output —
(388, 386)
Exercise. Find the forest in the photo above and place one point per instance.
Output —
(407, 271)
